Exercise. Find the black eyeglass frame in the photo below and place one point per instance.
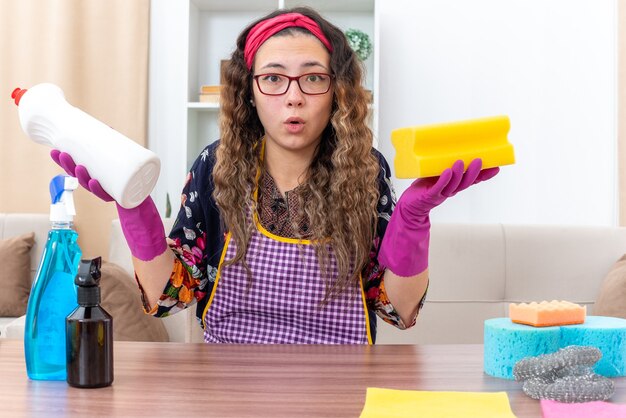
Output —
(297, 80)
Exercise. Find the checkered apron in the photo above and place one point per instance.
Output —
(283, 304)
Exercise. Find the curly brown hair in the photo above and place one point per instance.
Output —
(341, 186)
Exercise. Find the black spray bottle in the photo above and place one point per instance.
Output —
(89, 333)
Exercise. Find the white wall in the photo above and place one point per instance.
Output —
(167, 97)
(549, 65)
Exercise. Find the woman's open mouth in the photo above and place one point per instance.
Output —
(294, 125)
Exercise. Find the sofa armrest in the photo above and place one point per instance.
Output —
(15, 329)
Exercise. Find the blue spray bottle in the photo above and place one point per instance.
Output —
(53, 294)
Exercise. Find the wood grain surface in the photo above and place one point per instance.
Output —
(177, 379)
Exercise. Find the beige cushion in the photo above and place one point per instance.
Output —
(611, 300)
(122, 300)
(15, 274)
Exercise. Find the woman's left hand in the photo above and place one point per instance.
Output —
(404, 249)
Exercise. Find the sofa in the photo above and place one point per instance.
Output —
(13, 225)
(476, 270)
(120, 295)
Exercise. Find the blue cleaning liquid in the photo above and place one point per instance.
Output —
(52, 299)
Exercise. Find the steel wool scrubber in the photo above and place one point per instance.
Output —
(564, 376)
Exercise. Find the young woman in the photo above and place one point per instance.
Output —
(287, 231)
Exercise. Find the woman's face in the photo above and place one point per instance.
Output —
(293, 121)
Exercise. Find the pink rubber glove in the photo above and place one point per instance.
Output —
(404, 249)
(142, 225)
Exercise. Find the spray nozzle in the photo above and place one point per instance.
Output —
(17, 95)
(61, 194)
(89, 272)
(87, 279)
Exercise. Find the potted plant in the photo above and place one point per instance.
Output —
(360, 43)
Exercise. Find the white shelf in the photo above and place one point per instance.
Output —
(236, 5)
(322, 6)
(203, 106)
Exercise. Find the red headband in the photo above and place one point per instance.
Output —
(266, 28)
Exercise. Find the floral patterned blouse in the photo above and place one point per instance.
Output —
(197, 240)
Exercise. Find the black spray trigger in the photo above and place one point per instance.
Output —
(89, 272)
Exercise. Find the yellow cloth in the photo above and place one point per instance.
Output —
(390, 403)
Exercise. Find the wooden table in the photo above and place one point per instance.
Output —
(174, 379)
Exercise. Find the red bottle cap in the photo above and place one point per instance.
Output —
(17, 95)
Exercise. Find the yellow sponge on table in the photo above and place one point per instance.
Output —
(426, 151)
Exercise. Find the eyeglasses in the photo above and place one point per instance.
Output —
(272, 84)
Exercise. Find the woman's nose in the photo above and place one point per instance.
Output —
(294, 95)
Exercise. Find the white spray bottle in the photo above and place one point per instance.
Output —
(126, 170)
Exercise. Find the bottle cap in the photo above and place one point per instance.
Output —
(87, 280)
(17, 95)
(61, 193)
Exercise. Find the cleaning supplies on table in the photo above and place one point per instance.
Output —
(565, 376)
(89, 333)
(426, 151)
(53, 294)
(126, 170)
(384, 403)
(547, 314)
(595, 409)
(506, 343)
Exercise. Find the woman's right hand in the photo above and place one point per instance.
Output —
(142, 225)
(67, 163)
